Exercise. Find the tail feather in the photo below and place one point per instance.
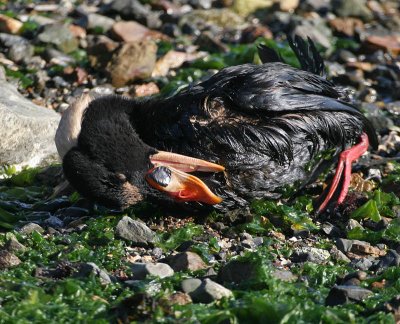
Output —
(307, 54)
(305, 51)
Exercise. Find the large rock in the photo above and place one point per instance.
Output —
(26, 130)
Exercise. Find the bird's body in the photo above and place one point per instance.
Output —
(266, 124)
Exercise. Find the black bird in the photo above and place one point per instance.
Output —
(265, 126)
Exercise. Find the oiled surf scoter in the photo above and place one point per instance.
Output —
(252, 129)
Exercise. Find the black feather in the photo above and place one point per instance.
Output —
(268, 54)
(307, 54)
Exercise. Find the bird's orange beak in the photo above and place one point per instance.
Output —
(170, 175)
(180, 185)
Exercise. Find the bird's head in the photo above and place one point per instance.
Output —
(105, 160)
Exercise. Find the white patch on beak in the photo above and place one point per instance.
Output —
(70, 125)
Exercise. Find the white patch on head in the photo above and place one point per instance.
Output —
(70, 125)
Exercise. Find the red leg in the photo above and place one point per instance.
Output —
(345, 160)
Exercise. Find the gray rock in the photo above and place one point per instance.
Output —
(352, 8)
(54, 222)
(391, 259)
(316, 29)
(237, 272)
(134, 10)
(30, 228)
(330, 230)
(26, 130)
(258, 241)
(205, 291)
(352, 224)
(72, 212)
(8, 260)
(87, 269)
(339, 255)
(284, 275)
(13, 245)
(310, 254)
(187, 261)
(345, 294)
(19, 48)
(98, 21)
(142, 270)
(135, 231)
(344, 245)
(2, 73)
(57, 57)
(361, 264)
(59, 35)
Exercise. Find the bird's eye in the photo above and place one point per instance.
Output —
(161, 175)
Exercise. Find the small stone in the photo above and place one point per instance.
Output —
(330, 230)
(236, 272)
(135, 231)
(86, 269)
(187, 261)
(9, 25)
(365, 248)
(13, 245)
(351, 282)
(59, 35)
(142, 270)
(147, 89)
(390, 43)
(288, 5)
(352, 224)
(54, 222)
(246, 7)
(30, 228)
(346, 26)
(352, 8)
(391, 259)
(19, 48)
(310, 254)
(179, 298)
(248, 244)
(251, 33)
(344, 245)
(284, 275)
(205, 291)
(258, 241)
(131, 31)
(344, 294)
(172, 60)
(157, 252)
(362, 264)
(8, 260)
(72, 212)
(339, 255)
(96, 21)
(132, 61)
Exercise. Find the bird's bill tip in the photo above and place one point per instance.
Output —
(184, 163)
(181, 186)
